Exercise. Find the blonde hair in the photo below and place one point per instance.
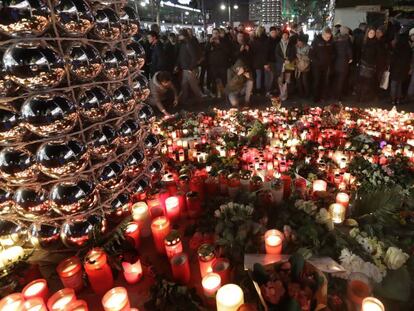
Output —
(260, 30)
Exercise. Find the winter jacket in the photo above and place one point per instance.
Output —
(237, 82)
(187, 56)
(159, 92)
(322, 53)
(358, 35)
(171, 55)
(260, 52)
(343, 53)
(369, 53)
(157, 60)
(217, 54)
(272, 44)
(400, 60)
(383, 55)
(280, 57)
(244, 56)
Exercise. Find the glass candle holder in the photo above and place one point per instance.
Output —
(358, 288)
(70, 273)
(337, 212)
(173, 244)
(132, 233)
(116, 299)
(180, 267)
(193, 202)
(229, 298)
(59, 300)
(221, 266)
(140, 213)
(132, 271)
(372, 304)
(343, 199)
(274, 242)
(211, 283)
(98, 271)
(78, 305)
(206, 258)
(160, 228)
(35, 304)
(12, 302)
(37, 288)
(172, 208)
(319, 186)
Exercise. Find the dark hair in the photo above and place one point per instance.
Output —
(273, 28)
(154, 34)
(303, 38)
(369, 28)
(164, 76)
(183, 32)
(172, 35)
(216, 29)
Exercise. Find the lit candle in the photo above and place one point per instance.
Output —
(358, 288)
(372, 304)
(116, 299)
(140, 214)
(206, 258)
(221, 266)
(160, 228)
(70, 273)
(132, 233)
(78, 305)
(59, 300)
(98, 271)
(319, 185)
(180, 268)
(11, 255)
(337, 212)
(274, 241)
(193, 202)
(35, 304)
(12, 302)
(37, 288)
(132, 271)
(342, 198)
(172, 207)
(173, 244)
(229, 298)
(211, 284)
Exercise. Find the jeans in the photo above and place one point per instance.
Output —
(259, 78)
(410, 92)
(396, 90)
(246, 91)
(269, 77)
(189, 82)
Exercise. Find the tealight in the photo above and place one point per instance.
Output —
(319, 185)
(37, 288)
(343, 199)
(211, 283)
(12, 302)
(116, 299)
(337, 212)
(274, 241)
(229, 298)
(59, 300)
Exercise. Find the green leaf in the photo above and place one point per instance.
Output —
(396, 285)
(298, 263)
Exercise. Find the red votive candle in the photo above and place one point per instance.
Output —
(12, 302)
(193, 204)
(274, 241)
(221, 266)
(78, 305)
(287, 186)
(132, 233)
(172, 208)
(132, 271)
(160, 228)
(173, 244)
(59, 300)
(70, 273)
(206, 258)
(37, 288)
(34, 304)
(342, 198)
(180, 268)
(116, 299)
(98, 271)
(155, 206)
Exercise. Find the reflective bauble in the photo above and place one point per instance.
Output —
(30, 202)
(34, 65)
(136, 56)
(62, 158)
(133, 164)
(74, 17)
(49, 115)
(123, 100)
(24, 18)
(129, 21)
(145, 113)
(151, 141)
(17, 166)
(128, 133)
(107, 25)
(84, 61)
(7, 86)
(111, 177)
(12, 233)
(119, 207)
(6, 200)
(103, 143)
(11, 128)
(94, 103)
(155, 167)
(141, 88)
(76, 233)
(115, 64)
(44, 236)
(142, 185)
(67, 198)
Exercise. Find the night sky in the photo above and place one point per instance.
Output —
(218, 15)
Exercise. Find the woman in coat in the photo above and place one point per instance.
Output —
(343, 59)
(260, 52)
(285, 63)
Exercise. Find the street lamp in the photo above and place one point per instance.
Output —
(143, 3)
(229, 7)
(236, 7)
(223, 7)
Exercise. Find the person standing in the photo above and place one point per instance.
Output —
(270, 68)
(285, 64)
(259, 52)
(322, 57)
(242, 50)
(157, 61)
(343, 59)
(410, 93)
(399, 67)
(303, 66)
(367, 85)
(187, 63)
(383, 54)
(171, 52)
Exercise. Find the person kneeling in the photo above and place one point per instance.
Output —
(240, 84)
(163, 93)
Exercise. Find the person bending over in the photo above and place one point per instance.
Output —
(240, 84)
(163, 93)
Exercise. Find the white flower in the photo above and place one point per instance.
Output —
(310, 208)
(223, 207)
(395, 258)
(217, 213)
(372, 271)
(354, 232)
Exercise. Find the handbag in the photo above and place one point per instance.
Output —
(290, 66)
(385, 80)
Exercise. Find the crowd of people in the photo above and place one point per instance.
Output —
(233, 63)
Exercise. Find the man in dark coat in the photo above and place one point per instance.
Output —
(157, 61)
(171, 51)
(242, 50)
(322, 55)
(343, 59)
(270, 68)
